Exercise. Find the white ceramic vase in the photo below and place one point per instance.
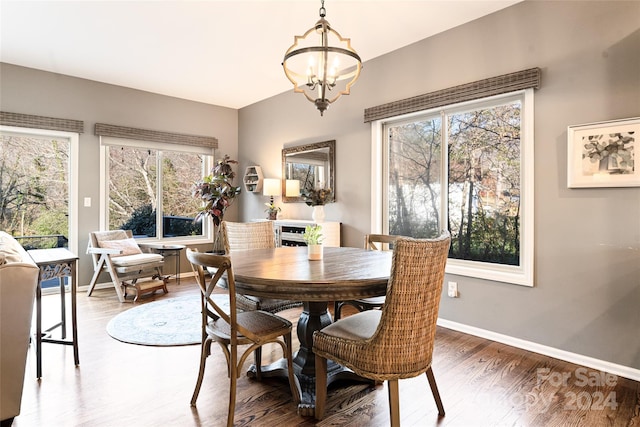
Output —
(318, 214)
(314, 252)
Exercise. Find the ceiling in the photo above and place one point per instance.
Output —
(226, 53)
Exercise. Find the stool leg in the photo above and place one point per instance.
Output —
(74, 313)
(178, 267)
(38, 331)
(63, 308)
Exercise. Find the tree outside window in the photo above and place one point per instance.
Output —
(34, 187)
(143, 181)
(480, 203)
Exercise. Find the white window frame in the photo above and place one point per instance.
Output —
(518, 275)
(108, 141)
(73, 139)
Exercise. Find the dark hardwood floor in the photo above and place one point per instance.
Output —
(482, 383)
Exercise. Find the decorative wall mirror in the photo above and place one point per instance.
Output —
(311, 165)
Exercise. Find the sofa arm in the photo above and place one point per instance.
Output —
(18, 283)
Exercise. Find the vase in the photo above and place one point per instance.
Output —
(218, 242)
(272, 216)
(314, 252)
(318, 213)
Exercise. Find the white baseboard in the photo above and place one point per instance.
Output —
(579, 359)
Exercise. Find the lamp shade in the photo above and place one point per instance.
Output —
(271, 187)
(292, 188)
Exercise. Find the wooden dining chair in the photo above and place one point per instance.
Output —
(397, 341)
(372, 242)
(239, 236)
(235, 328)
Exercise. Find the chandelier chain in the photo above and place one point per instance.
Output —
(323, 11)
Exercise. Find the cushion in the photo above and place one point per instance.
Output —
(127, 246)
(10, 250)
(135, 259)
(359, 326)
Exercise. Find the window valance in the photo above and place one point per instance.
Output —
(40, 122)
(115, 131)
(505, 83)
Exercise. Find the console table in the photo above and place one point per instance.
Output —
(289, 232)
(56, 263)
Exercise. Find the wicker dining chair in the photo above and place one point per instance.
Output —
(397, 341)
(237, 328)
(253, 235)
(372, 242)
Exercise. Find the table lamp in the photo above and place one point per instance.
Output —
(271, 187)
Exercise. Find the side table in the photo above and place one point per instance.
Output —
(56, 263)
(167, 250)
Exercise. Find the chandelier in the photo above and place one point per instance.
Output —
(321, 64)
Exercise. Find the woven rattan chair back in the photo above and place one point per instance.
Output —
(253, 235)
(407, 326)
(233, 328)
(396, 342)
(248, 235)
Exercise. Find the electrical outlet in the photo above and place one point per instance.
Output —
(453, 289)
(87, 202)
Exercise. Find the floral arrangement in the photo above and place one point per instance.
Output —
(218, 193)
(272, 208)
(317, 197)
(272, 211)
(217, 190)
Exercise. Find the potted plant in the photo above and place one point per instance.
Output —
(313, 238)
(317, 198)
(272, 211)
(217, 193)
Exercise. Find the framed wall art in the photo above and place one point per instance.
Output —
(604, 154)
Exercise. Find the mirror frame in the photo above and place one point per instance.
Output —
(310, 147)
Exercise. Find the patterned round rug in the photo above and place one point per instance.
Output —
(167, 322)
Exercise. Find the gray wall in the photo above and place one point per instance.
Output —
(587, 241)
(29, 91)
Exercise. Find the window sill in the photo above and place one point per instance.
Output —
(495, 272)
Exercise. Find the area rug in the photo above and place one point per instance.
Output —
(167, 322)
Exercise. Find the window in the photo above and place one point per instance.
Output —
(38, 170)
(466, 168)
(37, 185)
(148, 188)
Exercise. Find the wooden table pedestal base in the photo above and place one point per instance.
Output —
(314, 317)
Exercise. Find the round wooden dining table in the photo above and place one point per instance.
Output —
(286, 273)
